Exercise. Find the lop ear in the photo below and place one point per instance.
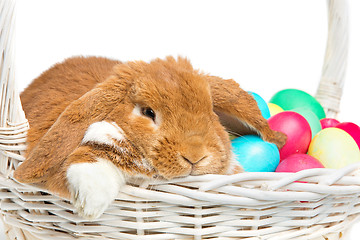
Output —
(68, 130)
(239, 112)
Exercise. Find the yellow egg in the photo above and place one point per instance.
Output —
(274, 109)
(232, 136)
(334, 148)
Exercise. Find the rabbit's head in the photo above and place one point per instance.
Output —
(167, 114)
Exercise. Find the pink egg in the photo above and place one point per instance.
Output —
(328, 122)
(296, 128)
(352, 129)
(298, 162)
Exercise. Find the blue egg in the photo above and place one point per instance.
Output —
(254, 154)
(263, 106)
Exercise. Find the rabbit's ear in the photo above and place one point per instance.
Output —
(68, 130)
(239, 112)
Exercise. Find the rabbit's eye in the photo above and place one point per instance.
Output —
(148, 112)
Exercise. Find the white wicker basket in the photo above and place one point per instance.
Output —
(276, 206)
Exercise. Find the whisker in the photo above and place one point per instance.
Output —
(233, 133)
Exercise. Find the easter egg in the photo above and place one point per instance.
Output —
(289, 99)
(262, 105)
(274, 109)
(335, 148)
(312, 119)
(352, 129)
(296, 128)
(298, 162)
(254, 154)
(328, 122)
(232, 136)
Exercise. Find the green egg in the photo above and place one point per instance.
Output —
(312, 119)
(289, 99)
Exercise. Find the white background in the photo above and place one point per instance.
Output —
(265, 45)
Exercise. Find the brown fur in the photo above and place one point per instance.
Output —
(65, 100)
(238, 112)
(48, 95)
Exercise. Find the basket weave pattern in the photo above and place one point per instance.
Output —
(311, 204)
(248, 205)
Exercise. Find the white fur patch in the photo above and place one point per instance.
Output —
(104, 133)
(93, 186)
(143, 164)
(137, 111)
(233, 164)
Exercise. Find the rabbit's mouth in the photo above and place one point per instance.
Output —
(200, 166)
(179, 166)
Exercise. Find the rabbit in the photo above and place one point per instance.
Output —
(96, 123)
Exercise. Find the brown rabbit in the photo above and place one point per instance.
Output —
(96, 122)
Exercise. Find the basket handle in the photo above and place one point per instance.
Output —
(11, 111)
(331, 84)
(13, 124)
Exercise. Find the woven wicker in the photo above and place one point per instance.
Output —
(311, 204)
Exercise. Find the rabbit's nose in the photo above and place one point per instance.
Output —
(194, 159)
(193, 150)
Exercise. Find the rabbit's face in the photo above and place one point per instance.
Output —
(168, 115)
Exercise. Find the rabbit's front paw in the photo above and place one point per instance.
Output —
(93, 186)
